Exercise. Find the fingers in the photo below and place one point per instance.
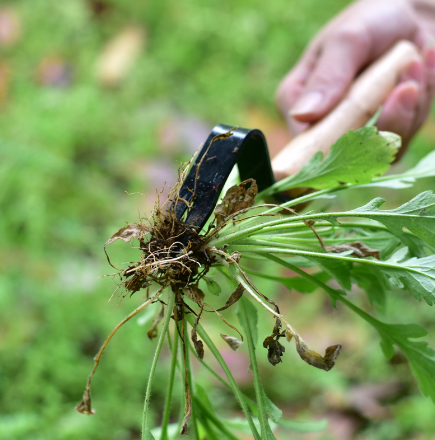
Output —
(409, 104)
(400, 110)
(335, 69)
(321, 78)
(291, 88)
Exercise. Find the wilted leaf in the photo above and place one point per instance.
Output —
(233, 342)
(127, 233)
(235, 296)
(195, 294)
(85, 406)
(238, 197)
(152, 333)
(197, 343)
(274, 350)
(358, 248)
(315, 359)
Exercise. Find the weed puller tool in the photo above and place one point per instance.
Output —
(226, 146)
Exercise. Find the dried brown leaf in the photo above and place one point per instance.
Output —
(127, 233)
(233, 342)
(238, 197)
(197, 343)
(195, 294)
(275, 350)
(152, 333)
(85, 406)
(235, 296)
(358, 248)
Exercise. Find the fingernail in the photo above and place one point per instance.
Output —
(429, 58)
(307, 104)
(296, 127)
(408, 101)
(414, 72)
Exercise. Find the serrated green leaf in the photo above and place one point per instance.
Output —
(415, 274)
(338, 269)
(292, 283)
(271, 409)
(417, 215)
(421, 357)
(374, 282)
(356, 157)
(424, 168)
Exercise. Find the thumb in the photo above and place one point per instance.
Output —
(336, 67)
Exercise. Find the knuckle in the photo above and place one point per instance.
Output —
(354, 36)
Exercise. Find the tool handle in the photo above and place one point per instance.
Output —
(364, 97)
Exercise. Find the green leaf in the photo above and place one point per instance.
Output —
(246, 318)
(306, 426)
(372, 121)
(421, 357)
(296, 283)
(374, 282)
(356, 157)
(271, 409)
(232, 383)
(424, 168)
(233, 270)
(146, 432)
(415, 274)
(212, 286)
(417, 215)
(252, 322)
(338, 269)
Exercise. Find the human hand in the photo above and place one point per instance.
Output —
(349, 43)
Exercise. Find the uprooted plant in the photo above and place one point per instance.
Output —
(394, 248)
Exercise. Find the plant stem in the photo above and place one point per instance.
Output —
(254, 367)
(335, 295)
(239, 396)
(192, 392)
(146, 434)
(328, 256)
(167, 409)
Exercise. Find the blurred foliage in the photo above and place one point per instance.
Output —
(70, 146)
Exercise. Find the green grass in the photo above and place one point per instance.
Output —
(67, 156)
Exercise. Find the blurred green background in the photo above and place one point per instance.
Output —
(100, 97)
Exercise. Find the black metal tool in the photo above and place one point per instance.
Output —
(247, 148)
